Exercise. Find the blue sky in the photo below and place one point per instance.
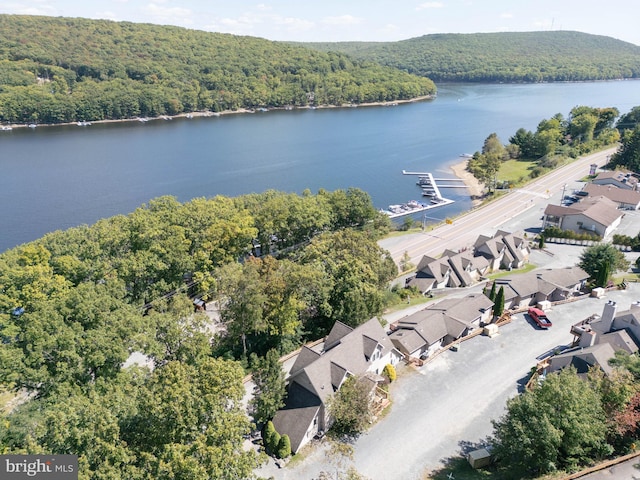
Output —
(365, 20)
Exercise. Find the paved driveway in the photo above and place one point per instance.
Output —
(450, 402)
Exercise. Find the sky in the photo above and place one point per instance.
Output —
(355, 20)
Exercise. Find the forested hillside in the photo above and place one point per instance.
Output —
(502, 57)
(75, 304)
(65, 69)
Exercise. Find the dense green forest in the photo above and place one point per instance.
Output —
(56, 70)
(75, 304)
(502, 57)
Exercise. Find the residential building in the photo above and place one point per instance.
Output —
(625, 180)
(596, 215)
(467, 267)
(551, 285)
(625, 199)
(421, 334)
(503, 250)
(598, 339)
(318, 373)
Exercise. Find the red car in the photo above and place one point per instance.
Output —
(539, 317)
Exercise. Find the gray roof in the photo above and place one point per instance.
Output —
(301, 407)
(350, 352)
(584, 357)
(618, 195)
(617, 175)
(599, 209)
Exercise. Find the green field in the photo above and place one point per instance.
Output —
(516, 172)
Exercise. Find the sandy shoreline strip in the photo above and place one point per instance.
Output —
(476, 190)
(229, 112)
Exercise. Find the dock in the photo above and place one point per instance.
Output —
(430, 188)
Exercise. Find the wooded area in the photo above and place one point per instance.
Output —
(55, 70)
(75, 304)
(556, 56)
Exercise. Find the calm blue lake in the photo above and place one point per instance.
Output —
(58, 177)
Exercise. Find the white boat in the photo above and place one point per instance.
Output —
(6, 129)
(83, 124)
(143, 119)
(32, 125)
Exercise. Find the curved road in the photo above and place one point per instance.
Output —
(488, 218)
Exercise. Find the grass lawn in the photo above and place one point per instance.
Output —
(516, 171)
(505, 273)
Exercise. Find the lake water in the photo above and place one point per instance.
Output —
(58, 177)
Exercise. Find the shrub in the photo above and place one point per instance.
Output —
(284, 447)
(390, 372)
(271, 438)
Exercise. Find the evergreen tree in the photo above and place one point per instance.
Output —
(284, 447)
(498, 304)
(492, 293)
(269, 390)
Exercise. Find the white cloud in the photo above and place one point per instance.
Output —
(293, 23)
(506, 15)
(168, 14)
(263, 7)
(426, 5)
(342, 20)
(28, 9)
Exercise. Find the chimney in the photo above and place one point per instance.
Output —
(608, 314)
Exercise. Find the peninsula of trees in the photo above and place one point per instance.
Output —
(502, 57)
(55, 70)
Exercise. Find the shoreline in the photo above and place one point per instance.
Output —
(225, 112)
(475, 188)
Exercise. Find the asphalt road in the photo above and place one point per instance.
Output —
(488, 218)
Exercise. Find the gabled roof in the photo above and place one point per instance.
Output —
(305, 357)
(338, 331)
(620, 340)
(448, 317)
(617, 175)
(618, 195)
(301, 406)
(585, 357)
(598, 209)
(563, 277)
(351, 353)
(465, 310)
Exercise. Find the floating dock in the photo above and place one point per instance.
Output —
(430, 188)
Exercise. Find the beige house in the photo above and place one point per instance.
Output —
(625, 180)
(595, 215)
(599, 338)
(465, 268)
(421, 334)
(319, 372)
(550, 285)
(623, 197)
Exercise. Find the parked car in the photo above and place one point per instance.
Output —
(539, 317)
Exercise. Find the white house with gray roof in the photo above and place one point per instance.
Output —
(596, 215)
(319, 372)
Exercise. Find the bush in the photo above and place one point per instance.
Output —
(390, 372)
(555, 232)
(284, 447)
(271, 438)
